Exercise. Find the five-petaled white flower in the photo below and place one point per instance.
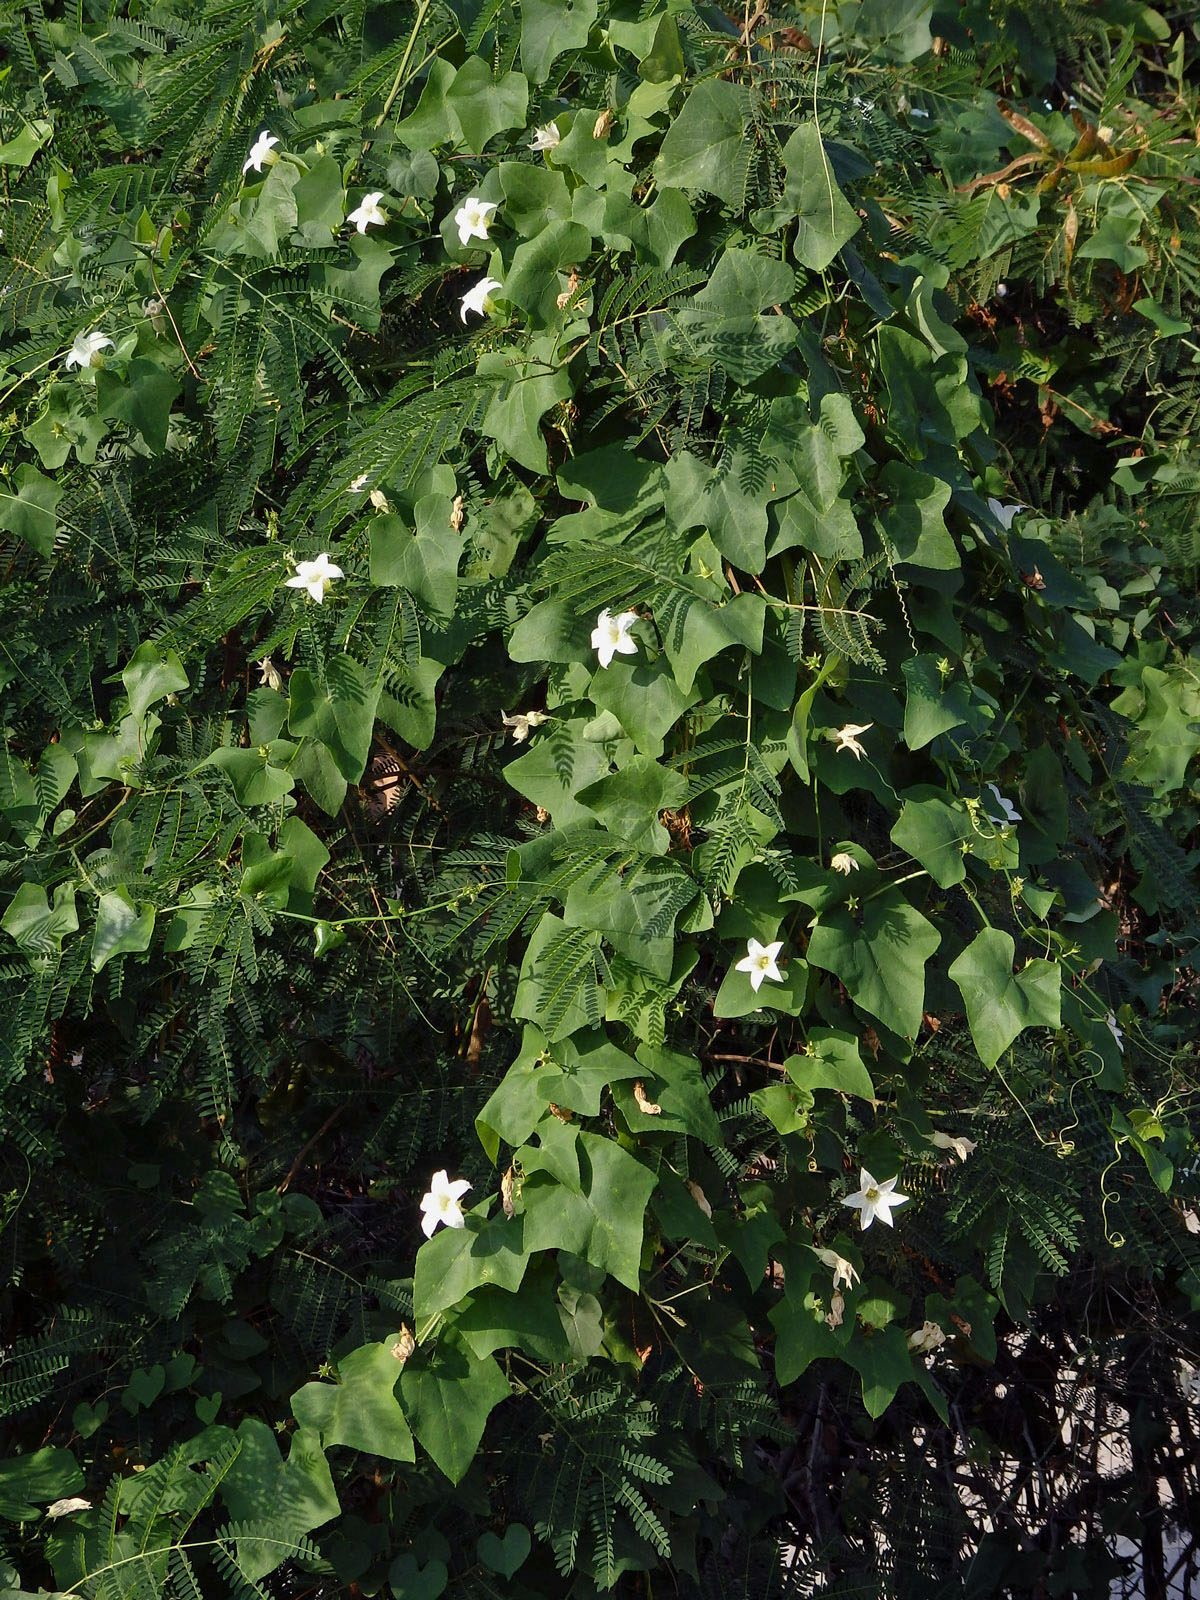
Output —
(546, 137)
(611, 635)
(1110, 1022)
(928, 1338)
(476, 299)
(441, 1204)
(874, 1199)
(472, 219)
(315, 576)
(64, 1508)
(946, 1141)
(843, 863)
(1011, 814)
(260, 151)
(522, 723)
(843, 1270)
(268, 674)
(847, 738)
(86, 348)
(761, 961)
(368, 211)
(1004, 514)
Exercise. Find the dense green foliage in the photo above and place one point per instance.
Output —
(846, 355)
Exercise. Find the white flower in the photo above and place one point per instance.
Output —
(1011, 814)
(843, 1271)
(260, 151)
(926, 1339)
(315, 576)
(522, 723)
(843, 863)
(358, 483)
(86, 348)
(441, 1204)
(379, 500)
(1004, 514)
(472, 219)
(268, 675)
(761, 961)
(546, 138)
(875, 1199)
(64, 1508)
(847, 738)
(611, 637)
(962, 1147)
(1111, 1023)
(368, 211)
(476, 299)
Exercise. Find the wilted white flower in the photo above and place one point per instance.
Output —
(699, 1196)
(268, 675)
(315, 576)
(64, 1508)
(546, 138)
(441, 1204)
(962, 1147)
(260, 152)
(611, 635)
(379, 500)
(476, 299)
(761, 961)
(522, 723)
(86, 348)
(874, 1199)
(473, 218)
(837, 1308)
(1111, 1023)
(843, 1271)
(1004, 514)
(359, 483)
(847, 738)
(368, 212)
(405, 1343)
(926, 1339)
(843, 863)
(1011, 814)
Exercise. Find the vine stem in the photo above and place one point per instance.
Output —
(398, 84)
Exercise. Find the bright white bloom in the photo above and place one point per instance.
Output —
(1011, 814)
(359, 483)
(64, 1508)
(843, 1271)
(476, 299)
(847, 738)
(441, 1204)
(611, 635)
(843, 863)
(368, 212)
(472, 219)
(1111, 1023)
(926, 1339)
(86, 348)
(315, 576)
(260, 151)
(962, 1147)
(761, 961)
(1004, 514)
(268, 675)
(522, 723)
(546, 138)
(875, 1199)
